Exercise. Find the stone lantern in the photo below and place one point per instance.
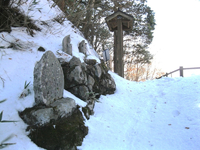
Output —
(118, 22)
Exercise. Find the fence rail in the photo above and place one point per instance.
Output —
(181, 71)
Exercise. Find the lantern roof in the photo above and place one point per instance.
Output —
(127, 20)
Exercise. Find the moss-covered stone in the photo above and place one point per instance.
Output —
(64, 134)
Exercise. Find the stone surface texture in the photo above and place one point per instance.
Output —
(82, 47)
(67, 47)
(84, 78)
(54, 116)
(48, 79)
(64, 107)
(42, 115)
(62, 134)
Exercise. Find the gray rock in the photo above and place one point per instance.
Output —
(37, 116)
(64, 107)
(82, 47)
(63, 134)
(90, 83)
(107, 85)
(74, 62)
(48, 79)
(84, 67)
(90, 61)
(42, 116)
(80, 79)
(83, 92)
(77, 75)
(67, 47)
(88, 110)
(98, 71)
(80, 91)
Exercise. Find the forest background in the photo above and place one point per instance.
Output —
(89, 17)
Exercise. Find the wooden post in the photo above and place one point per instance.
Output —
(120, 47)
(116, 54)
(181, 71)
(117, 22)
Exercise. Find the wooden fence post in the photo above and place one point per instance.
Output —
(181, 71)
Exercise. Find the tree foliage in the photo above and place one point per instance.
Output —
(89, 17)
(136, 61)
(142, 73)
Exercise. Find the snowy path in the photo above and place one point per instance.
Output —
(153, 115)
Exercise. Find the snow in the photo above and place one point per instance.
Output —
(152, 115)
(159, 114)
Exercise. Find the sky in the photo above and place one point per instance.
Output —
(177, 33)
(159, 114)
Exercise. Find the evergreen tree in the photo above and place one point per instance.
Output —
(89, 17)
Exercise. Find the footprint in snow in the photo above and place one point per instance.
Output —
(175, 113)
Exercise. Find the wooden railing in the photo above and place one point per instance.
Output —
(181, 71)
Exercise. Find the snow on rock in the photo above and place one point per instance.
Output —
(153, 115)
(77, 100)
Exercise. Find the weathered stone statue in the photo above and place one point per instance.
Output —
(66, 45)
(82, 47)
(48, 79)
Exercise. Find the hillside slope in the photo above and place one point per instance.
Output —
(159, 114)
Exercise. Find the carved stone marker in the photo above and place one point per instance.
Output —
(67, 47)
(82, 47)
(48, 79)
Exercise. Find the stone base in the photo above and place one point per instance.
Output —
(63, 134)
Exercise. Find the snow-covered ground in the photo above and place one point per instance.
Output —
(153, 115)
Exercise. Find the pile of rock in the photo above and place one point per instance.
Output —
(83, 78)
(52, 115)
(55, 116)
(86, 80)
